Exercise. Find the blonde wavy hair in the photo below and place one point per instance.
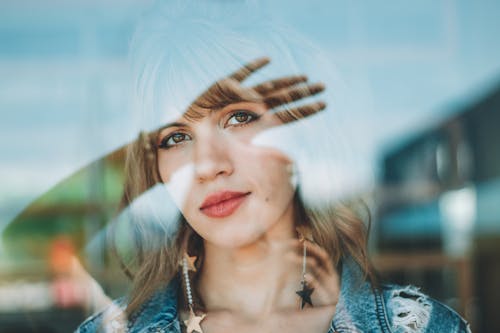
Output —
(174, 58)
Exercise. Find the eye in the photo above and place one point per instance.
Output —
(240, 118)
(173, 140)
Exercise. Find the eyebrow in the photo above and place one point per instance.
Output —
(212, 110)
(214, 99)
(181, 124)
(218, 96)
(173, 124)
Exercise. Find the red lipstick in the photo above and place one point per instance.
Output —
(222, 203)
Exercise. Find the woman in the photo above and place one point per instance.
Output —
(255, 248)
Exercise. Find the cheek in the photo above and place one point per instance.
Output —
(165, 167)
(273, 175)
(170, 163)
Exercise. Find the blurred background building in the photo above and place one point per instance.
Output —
(425, 83)
(438, 212)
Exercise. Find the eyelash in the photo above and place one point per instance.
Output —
(253, 117)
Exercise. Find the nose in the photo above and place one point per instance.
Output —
(211, 156)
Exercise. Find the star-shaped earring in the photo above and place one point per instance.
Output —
(193, 323)
(305, 295)
(189, 260)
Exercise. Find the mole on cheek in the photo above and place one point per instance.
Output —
(267, 199)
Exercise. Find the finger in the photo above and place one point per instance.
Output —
(317, 270)
(319, 264)
(323, 294)
(293, 114)
(292, 94)
(320, 254)
(245, 71)
(296, 246)
(222, 93)
(268, 87)
(324, 282)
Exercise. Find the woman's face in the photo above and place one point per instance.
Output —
(229, 190)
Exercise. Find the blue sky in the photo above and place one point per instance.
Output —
(407, 64)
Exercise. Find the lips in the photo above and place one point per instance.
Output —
(223, 203)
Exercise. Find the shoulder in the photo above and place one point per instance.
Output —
(409, 310)
(159, 311)
(111, 319)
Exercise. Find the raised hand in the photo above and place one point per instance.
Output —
(276, 93)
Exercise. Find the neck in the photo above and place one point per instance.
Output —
(252, 280)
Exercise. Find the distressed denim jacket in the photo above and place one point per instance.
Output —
(361, 308)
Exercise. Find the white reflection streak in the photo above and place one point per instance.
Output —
(459, 211)
(180, 183)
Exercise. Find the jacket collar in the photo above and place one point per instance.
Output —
(356, 309)
(159, 313)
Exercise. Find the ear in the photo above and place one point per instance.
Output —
(304, 232)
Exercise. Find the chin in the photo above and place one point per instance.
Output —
(236, 240)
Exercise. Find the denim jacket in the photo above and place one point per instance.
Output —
(361, 308)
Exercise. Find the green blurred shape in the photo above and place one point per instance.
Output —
(77, 207)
